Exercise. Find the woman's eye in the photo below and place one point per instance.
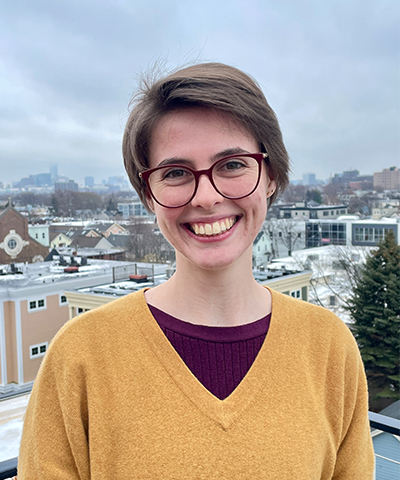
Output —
(233, 165)
(176, 173)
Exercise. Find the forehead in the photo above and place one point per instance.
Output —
(197, 133)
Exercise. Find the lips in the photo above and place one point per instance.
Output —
(203, 229)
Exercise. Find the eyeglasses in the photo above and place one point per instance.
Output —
(233, 177)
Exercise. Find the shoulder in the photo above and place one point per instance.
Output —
(113, 320)
(311, 323)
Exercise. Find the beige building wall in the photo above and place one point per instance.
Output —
(388, 179)
(11, 342)
(40, 327)
(60, 239)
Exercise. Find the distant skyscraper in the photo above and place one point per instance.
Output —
(309, 179)
(69, 186)
(43, 179)
(89, 181)
(54, 171)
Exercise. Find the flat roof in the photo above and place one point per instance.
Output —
(34, 274)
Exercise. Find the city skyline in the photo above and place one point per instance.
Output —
(330, 70)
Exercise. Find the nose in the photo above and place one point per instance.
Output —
(206, 196)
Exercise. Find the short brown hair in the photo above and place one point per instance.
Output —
(207, 85)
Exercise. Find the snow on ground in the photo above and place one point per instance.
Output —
(12, 413)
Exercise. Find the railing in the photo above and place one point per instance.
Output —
(8, 468)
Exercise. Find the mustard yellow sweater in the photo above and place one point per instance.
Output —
(113, 400)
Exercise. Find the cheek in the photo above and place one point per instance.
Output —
(167, 219)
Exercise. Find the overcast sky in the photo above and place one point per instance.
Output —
(329, 69)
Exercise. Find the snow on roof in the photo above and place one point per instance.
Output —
(50, 272)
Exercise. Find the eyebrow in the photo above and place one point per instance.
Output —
(217, 156)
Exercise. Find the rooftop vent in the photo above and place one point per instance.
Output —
(71, 269)
(138, 278)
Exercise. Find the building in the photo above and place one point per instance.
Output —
(309, 179)
(349, 230)
(66, 186)
(89, 181)
(60, 240)
(40, 233)
(387, 447)
(370, 232)
(16, 245)
(385, 211)
(54, 171)
(262, 249)
(329, 232)
(134, 208)
(304, 211)
(104, 229)
(388, 179)
(33, 307)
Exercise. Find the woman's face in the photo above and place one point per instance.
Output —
(198, 138)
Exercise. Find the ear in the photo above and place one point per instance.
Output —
(271, 187)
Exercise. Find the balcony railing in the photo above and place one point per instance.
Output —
(8, 468)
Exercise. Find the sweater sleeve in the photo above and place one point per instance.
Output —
(355, 455)
(54, 441)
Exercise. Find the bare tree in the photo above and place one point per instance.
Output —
(146, 243)
(284, 232)
(335, 273)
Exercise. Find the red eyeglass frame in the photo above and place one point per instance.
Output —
(259, 157)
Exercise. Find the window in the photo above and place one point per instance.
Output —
(342, 211)
(43, 235)
(38, 350)
(36, 304)
(332, 300)
(36, 235)
(332, 212)
(63, 299)
(326, 214)
(299, 235)
(12, 244)
(295, 293)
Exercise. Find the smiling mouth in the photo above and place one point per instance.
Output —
(212, 229)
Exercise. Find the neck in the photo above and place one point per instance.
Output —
(223, 297)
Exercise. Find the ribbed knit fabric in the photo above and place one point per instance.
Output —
(219, 357)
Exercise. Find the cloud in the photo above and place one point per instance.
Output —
(67, 70)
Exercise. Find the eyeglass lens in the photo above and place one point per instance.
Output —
(234, 177)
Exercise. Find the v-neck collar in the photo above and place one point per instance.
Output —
(226, 411)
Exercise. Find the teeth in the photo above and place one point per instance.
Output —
(215, 229)
(208, 228)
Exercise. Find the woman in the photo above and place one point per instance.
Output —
(208, 375)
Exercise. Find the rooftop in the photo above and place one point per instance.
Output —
(38, 273)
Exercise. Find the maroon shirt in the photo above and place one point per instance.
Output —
(219, 357)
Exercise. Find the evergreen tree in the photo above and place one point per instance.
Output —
(314, 195)
(375, 307)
